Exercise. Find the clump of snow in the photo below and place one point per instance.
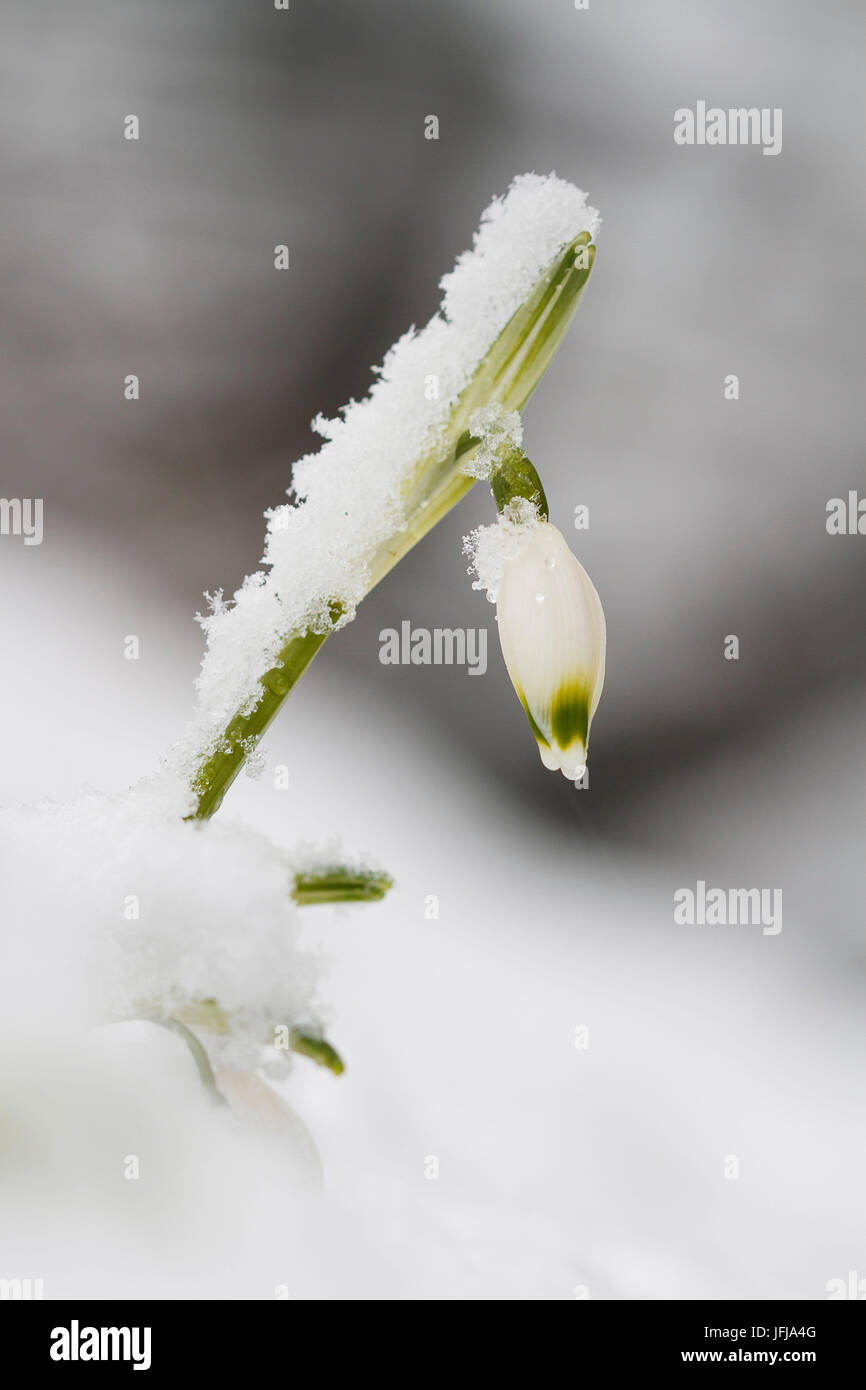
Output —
(331, 856)
(490, 547)
(254, 765)
(497, 429)
(117, 908)
(349, 495)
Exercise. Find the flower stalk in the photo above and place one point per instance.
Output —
(516, 478)
(199, 1056)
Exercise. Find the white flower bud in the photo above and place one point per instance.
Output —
(552, 633)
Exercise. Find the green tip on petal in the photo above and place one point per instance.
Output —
(569, 716)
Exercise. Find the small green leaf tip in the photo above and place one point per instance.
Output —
(319, 1049)
(340, 885)
(516, 477)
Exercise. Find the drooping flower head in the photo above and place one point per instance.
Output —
(553, 636)
(551, 623)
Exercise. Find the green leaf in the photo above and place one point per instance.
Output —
(319, 1049)
(339, 885)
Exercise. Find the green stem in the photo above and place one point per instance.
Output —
(243, 733)
(508, 375)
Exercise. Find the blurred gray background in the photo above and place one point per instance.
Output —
(707, 518)
(258, 127)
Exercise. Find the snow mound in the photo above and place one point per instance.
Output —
(117, 908)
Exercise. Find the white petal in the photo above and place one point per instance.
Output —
(552, 632)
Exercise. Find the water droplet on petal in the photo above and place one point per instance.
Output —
(276, 681)
(539, 598)
(550, 561)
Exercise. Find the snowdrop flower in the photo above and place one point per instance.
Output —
(391, 467)
(552, 633)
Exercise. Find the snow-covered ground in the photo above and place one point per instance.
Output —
(548, 1086)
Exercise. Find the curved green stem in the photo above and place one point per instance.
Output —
(199, 1056)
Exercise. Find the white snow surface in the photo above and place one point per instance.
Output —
(116, 909)
(599, 1168)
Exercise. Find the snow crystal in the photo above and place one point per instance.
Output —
(489, 547)
(332, 855)
(496, 429)
(349, 495)
(254, 765)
